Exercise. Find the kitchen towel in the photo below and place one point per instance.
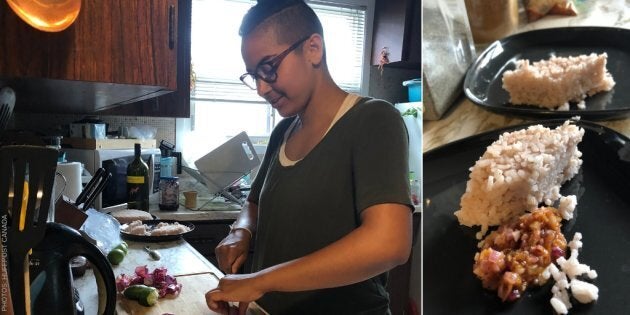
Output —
(71, 171)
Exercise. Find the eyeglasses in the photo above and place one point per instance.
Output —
(267, 70)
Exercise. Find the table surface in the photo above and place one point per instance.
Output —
(466, 119)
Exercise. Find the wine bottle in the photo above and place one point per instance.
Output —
(138, 182)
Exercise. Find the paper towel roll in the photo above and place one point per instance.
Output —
(72, 173)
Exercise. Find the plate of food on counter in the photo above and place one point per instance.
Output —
(529, 219)
(128, 215)
(555, 73)
(155, 230)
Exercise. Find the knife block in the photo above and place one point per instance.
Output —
(68, 214)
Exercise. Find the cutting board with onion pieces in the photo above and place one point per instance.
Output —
(191, 300)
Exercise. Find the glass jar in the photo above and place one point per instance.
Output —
(169, 193)
(491, 20)
(166, 166)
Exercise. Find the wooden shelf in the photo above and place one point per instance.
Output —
(92, 144)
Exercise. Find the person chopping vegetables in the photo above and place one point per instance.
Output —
(329, 211)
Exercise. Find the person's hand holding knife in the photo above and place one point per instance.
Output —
(231, 254)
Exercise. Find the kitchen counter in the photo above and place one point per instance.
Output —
(209, 208)
(216, 211)
(465, 119)
(183, 214)
(196, 274)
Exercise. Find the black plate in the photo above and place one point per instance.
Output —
(161, 238)
(483, 83)
(602, 215)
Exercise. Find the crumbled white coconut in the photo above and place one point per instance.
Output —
(567, 206)
(575, 244)
(562, 295)
(581, 104)
(563, 107)
(564, 283)
(546, 273)
(572, 267)
(583, 291)
(555, 272)
(559, 306)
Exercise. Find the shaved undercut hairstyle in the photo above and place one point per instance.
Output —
(289, 20)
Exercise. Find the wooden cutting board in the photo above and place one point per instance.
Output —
(191, 300)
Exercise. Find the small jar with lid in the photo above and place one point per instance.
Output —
(492, 20)
(169, 193)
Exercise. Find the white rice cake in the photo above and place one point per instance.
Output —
(555, 82)
(519, 171)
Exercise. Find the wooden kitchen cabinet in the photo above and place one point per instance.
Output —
(177, 103)
(397, 26)
(116, 52)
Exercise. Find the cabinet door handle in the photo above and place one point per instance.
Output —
(171, 26)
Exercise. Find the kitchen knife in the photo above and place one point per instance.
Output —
(89, 187)
(97, 190)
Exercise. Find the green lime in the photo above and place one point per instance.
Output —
(123, 247)
(116, 256)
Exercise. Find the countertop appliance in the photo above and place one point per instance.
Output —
(168, 151)
(115, 162)
(51, 279)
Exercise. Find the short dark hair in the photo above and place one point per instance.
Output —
(290, 19)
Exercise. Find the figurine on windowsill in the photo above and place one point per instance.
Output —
(384, 59)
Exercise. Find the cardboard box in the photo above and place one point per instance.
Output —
(88, 131)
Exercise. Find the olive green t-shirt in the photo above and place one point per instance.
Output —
(362, 161)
